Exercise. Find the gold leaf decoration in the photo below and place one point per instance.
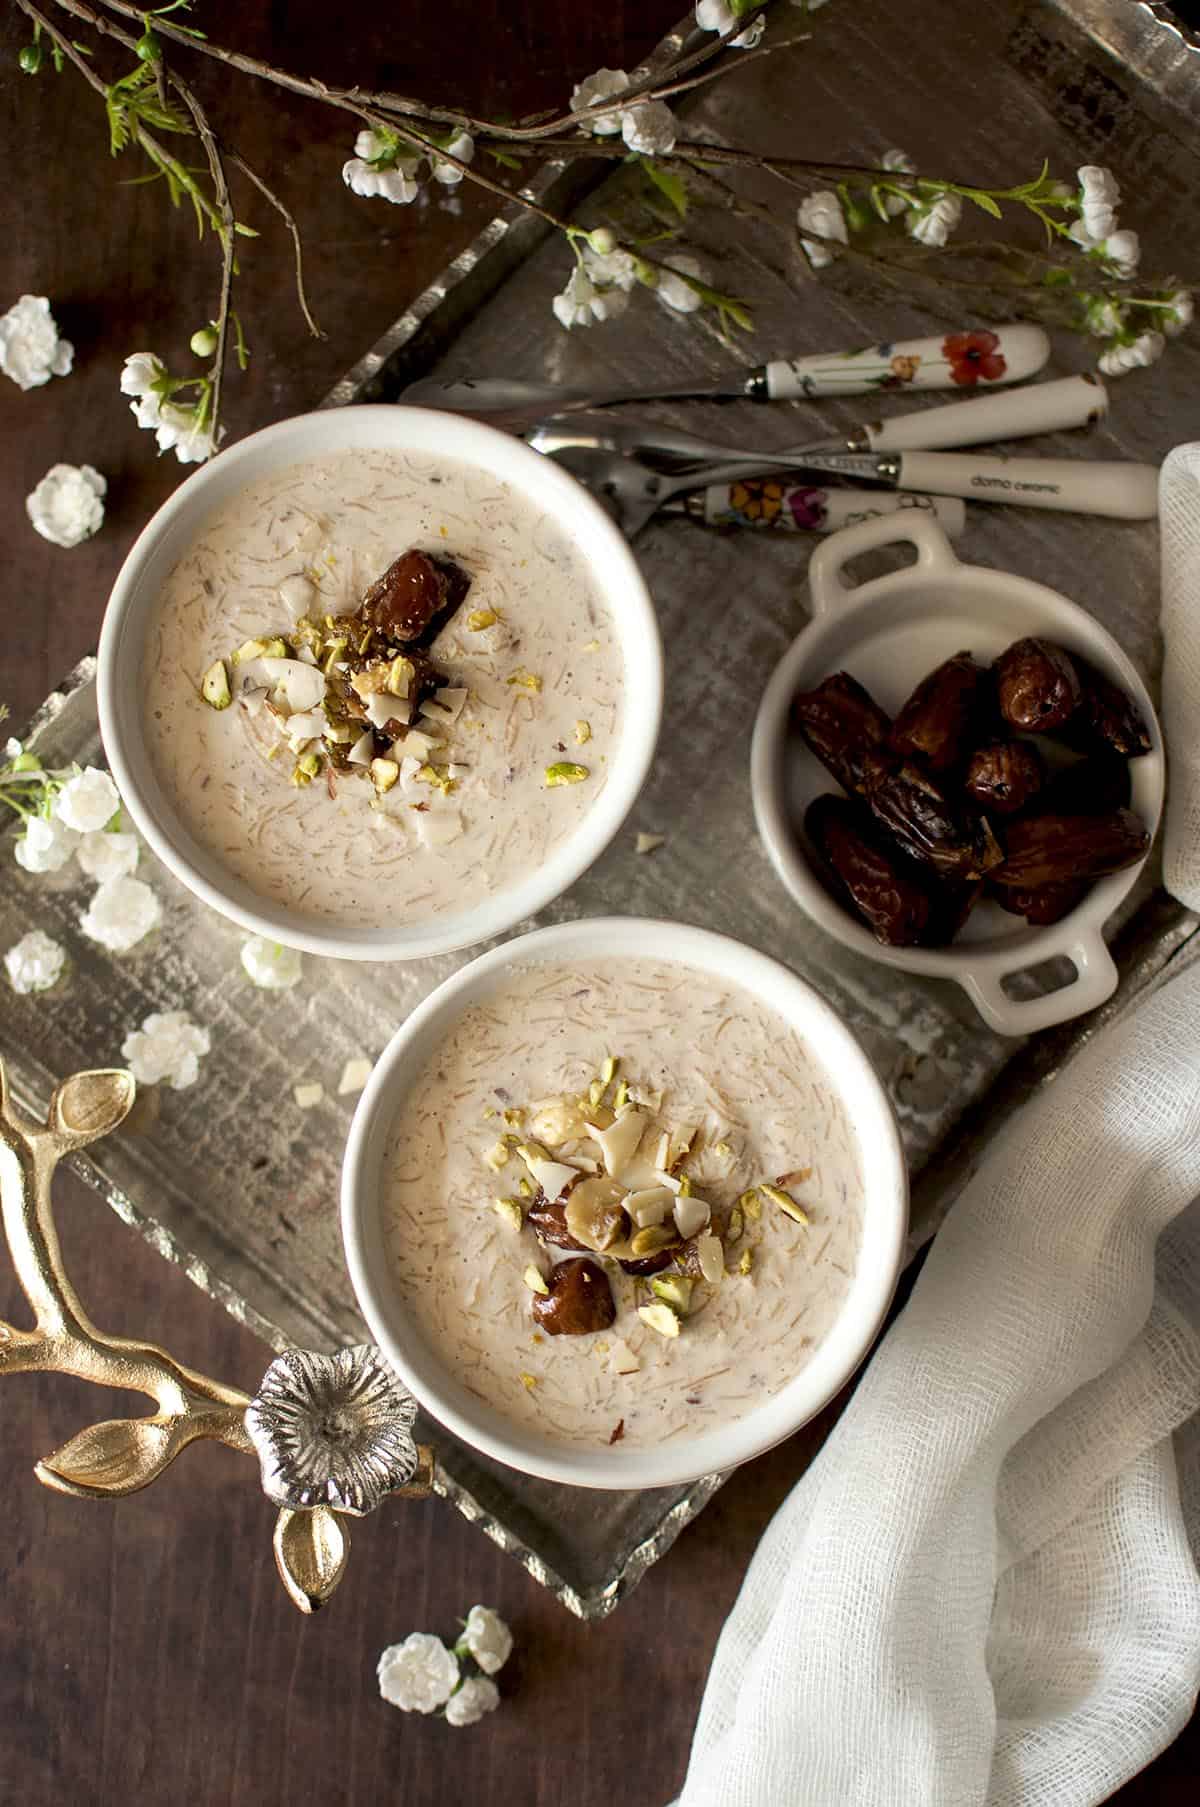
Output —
(89, 1105)
(113, 1458)
(310, 1553)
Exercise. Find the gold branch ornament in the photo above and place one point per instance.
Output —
(333, 1433)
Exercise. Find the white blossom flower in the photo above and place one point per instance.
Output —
(46, 845)
(105, 855)
(719, 16)
(900, 163)
(595, 91)
(12, 747)
(88, 800)
(398, 185)
(1175, 313)
(419, 1675)
(1118, 358)
(934, 224)
(270, 966)
(649, 128)
(139, 373)
(610, 270)
(65, 508)
(821, 213)
(581, 301)
(35, 963)
(177, 429)
(469, 1703)
(121, 912)
(1099, 193)
(166, 1050)
(462, 146)
(488, 1639)
(673, 291)
(1104, 318)
(31, 351)
(1123, 250)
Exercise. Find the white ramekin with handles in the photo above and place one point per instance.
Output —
(889, 632)
(414, 432)
(848, 1074)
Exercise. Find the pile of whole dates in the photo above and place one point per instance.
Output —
(954, 800)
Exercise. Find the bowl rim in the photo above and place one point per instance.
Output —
(977, 967)
(303, 437)
(885, 1202)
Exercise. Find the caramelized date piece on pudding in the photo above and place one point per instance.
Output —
(1037, 685)
(951, 838)
(1053, 849)
(1002, 776)
(935, 723)
(873, 878)
(841, 722)
(1106, 717)
(579, 1301)
(415, 593)
(547, 1218)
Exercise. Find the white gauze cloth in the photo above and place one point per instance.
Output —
(984, 1592)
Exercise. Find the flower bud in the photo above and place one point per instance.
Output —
(30, 58)
(148, 49)
(204, 342)
(27, 762)
(603, 241)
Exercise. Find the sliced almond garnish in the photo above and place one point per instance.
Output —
(659, 1317)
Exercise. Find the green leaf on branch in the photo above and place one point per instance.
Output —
(503, 158)
(667, 183)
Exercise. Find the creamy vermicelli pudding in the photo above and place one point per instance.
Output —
(379, 685)
(621, 1200)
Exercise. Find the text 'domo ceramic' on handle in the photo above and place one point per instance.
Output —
(973, 358)
(827, 585)
(1093, 982)
(1122, 491)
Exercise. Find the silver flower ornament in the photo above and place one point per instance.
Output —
(333, 1430)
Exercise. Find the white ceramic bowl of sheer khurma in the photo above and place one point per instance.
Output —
(716, 1041)
(566, 670)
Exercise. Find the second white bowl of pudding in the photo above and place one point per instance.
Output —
(482, 761)
(624, 1203)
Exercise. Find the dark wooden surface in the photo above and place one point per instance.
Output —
(146, 1648)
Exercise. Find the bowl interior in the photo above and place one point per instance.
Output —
(421, 436)
(849, 1075)
(889, 642)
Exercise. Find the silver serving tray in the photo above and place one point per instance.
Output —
(233, 1181)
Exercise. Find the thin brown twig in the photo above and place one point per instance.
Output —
(289, 220)
(226, 235)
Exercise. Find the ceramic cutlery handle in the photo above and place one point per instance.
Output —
(798, 508)
(1125, 492)
(1073, 401)
(982, 355)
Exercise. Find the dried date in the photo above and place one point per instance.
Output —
(841, 723)
(951, 838)
(935, 723)
(867, 873)
(1053, 849)
(1041, 905)
(579, 1301)
(1106, 717)
(1037, 685)
(414, 596)
(547, 1218)
(1004, 775)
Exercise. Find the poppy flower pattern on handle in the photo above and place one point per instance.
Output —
(974, 356)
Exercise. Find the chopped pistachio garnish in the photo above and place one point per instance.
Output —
(529, 1382)
(723, 1150)
(214, 686)
(439, 777)
(736, 1225)
(608, 1072)
(497, 1156)
(751, 1204)
(254, 649)
(401, 673)
(675, 1290)
(621, 1096)
(564, 771)
(601, 1346)
(525, 680)
(592, 646)
(306, 768)
(646, 843)
(535, 1280)
(514, 1118)
(685, 1186)
(786, 1203)
(654, 1237)
(745, 1261)
(384, 773)
(510, 1210)
(478, 619)
(333, 653)
(660, 1317)
(489, 1111)
(524, 1187)
(583, 733)
(595, 1092)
